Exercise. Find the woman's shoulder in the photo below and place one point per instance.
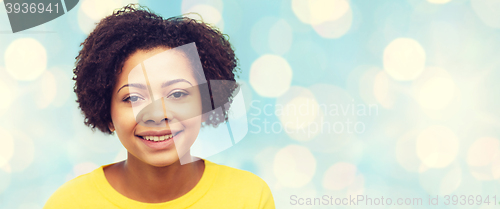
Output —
(227, 173)
(240, 184)
(71, 192)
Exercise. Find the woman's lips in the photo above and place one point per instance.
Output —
(157, 132)
(160, 145)
(159, 138)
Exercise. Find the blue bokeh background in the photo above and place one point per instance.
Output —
(427, 70)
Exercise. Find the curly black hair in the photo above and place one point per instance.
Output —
(134, 28)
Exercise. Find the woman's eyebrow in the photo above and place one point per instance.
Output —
(163, 85)
(168, 83)
(137, 85)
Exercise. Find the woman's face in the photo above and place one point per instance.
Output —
(156, 106)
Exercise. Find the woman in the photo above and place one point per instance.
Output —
(148, 80)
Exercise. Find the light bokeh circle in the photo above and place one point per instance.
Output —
(339, 176)
(315, 12)
(436, 93)
(298, 112)
(435, 89)
(327, 10)
(329, 18)
(336, 28)
(294, 166)
(25, 59)
(404, 59)
(301, 9)
(439, 94)
(188, 4)
(209, 14)
(98, 9)
(270, 75)
(437, 146)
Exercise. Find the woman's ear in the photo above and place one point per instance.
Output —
(111, 127)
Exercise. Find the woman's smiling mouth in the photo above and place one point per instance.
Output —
(157, 141)
(159, 138)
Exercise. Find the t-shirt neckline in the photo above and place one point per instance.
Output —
(184, 201)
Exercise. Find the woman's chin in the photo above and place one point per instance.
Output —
(162, 163)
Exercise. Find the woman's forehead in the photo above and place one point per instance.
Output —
(162, 64)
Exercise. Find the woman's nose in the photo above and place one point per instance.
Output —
(153, 114)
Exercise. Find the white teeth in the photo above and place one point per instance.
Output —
(157, 138)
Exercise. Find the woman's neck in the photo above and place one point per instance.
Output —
(146, 183)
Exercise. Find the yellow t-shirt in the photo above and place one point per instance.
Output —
(219, 187)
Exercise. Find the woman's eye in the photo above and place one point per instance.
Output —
(132, 99)
(177, 95)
